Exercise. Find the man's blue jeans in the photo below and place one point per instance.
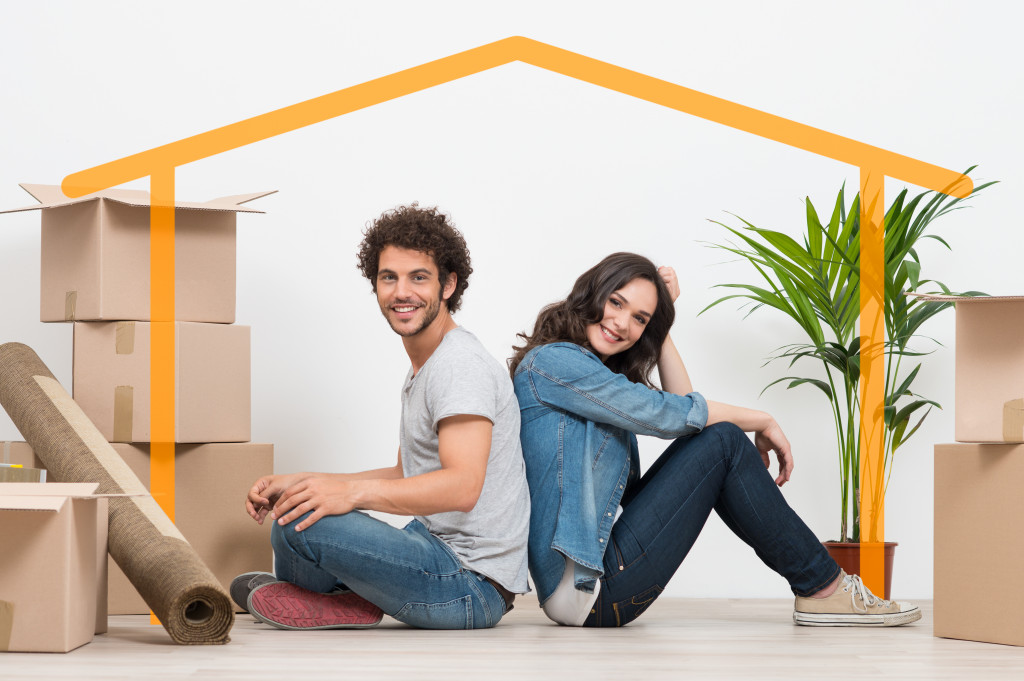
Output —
(720, 469)
(408, 573)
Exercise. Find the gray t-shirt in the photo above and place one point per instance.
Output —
(461, 377)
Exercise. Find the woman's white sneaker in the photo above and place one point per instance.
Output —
(852, 605)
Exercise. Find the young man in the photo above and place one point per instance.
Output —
(460, 472)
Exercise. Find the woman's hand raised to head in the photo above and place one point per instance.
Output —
(668, 275)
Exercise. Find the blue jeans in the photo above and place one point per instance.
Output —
(662, 514)
(408, 573)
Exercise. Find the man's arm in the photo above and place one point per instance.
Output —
(464, 444)
(266, 491)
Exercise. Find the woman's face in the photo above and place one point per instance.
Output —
(626, 314)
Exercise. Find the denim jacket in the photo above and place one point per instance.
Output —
(578, 429)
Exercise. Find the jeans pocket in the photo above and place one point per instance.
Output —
(628, 610)
(456, 614)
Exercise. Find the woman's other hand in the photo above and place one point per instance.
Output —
(771, 438)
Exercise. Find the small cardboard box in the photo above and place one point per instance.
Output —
(95, 255)
(979, 548)
(111, 380)
(989, 389)
(52, 566)
(210, 485)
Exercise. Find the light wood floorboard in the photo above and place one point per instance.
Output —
(676, 638)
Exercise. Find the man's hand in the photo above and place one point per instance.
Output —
(772, 438)
(322, 496)
(265, 492)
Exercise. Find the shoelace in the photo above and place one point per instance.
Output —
(869, 599)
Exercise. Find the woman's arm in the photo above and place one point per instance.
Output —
(768, 436)
(671, 369)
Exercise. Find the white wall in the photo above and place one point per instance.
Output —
(543, 174)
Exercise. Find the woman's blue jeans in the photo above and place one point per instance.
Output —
(720, 469)
(408, 573)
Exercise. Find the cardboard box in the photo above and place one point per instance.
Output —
(52, 566)
(211, 482)
(979, 548)
(95, 255)
(989, 367)
(212, 380)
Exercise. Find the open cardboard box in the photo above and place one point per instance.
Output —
(989, 390)
(111, 380)
(211, 481)
(95, 255)
(53, 566)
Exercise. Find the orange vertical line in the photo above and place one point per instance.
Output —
(161, 348)
(872, 363)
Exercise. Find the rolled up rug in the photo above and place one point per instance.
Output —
(161, 565)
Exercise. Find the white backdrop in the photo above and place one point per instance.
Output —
(543, 174)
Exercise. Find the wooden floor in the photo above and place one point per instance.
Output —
(676, 638)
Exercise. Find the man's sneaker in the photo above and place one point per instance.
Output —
(243, 584)
(287, 606)
(852, 605)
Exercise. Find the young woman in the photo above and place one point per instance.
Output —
(605, 540)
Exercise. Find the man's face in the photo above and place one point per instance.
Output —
(409, 290)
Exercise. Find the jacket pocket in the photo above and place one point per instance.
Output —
(456, 614)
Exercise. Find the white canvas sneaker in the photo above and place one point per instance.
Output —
(852, 605)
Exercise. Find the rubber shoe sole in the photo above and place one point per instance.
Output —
(287, 606)
(895, 619)
(243, 584)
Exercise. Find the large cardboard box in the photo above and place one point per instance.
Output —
(210, 485)
(989, 368)
(95, 255)
(979, 546)
(52, 566)
(212, 380)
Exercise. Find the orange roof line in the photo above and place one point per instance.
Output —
(542, 55)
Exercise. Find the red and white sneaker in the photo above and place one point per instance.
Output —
(287, 606)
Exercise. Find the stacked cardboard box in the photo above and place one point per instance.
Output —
(979, 549)
(95, 274)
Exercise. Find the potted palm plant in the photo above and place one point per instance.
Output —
(817, 284)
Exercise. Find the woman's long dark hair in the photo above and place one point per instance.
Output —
(568, 320)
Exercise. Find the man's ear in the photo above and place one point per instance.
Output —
(449, 285)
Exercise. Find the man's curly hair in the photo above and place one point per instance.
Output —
(419, 229)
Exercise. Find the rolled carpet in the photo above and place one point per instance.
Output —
(161, 565)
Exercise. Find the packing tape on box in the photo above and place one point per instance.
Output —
(124, 413)
(1013, 420)
(70, 302)
(124, 338)
(6, 624)
(164, 568)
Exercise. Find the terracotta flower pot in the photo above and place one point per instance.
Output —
(847, 554)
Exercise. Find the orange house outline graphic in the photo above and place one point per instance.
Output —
(875, 165)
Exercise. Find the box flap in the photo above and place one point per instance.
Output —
(48, 489)
(940, 298)
(31, 503)
(51, 196)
